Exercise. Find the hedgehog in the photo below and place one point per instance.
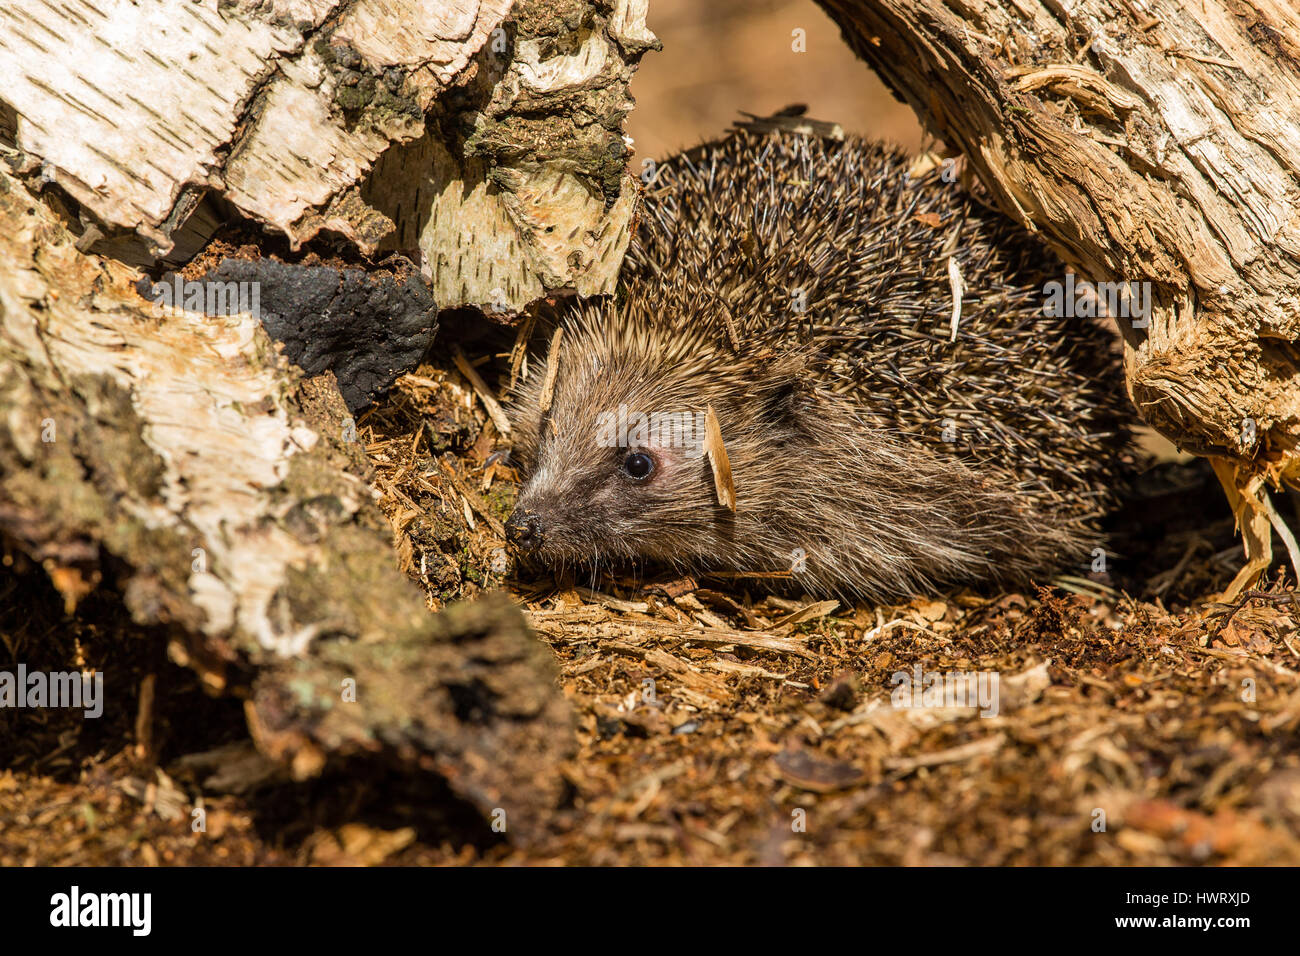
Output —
(782, 387)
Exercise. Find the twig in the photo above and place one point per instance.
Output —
(1274, 597)
(978, 748)
(480, 388)
(1283, 532)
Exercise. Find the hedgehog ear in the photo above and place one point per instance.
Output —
(781, 402)
(785, 390)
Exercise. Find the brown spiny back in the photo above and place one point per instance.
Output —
(800, 288)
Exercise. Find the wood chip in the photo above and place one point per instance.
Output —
(717, 453)
(969, 751)
(682, 670)
(608, 600)
(484, 394)
(810, 613)
(520, 349)
(552, 369)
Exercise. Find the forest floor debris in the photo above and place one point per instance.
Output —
(1121, 719)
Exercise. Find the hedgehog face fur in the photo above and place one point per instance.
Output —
(799, 289)
(821, 495)
(617, 460)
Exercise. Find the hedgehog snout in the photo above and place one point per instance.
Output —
(525, 529)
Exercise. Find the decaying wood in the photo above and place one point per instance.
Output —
(309, 115)
(1154, 142)
(180, 454)
(176, 455)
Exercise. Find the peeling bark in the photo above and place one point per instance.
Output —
(1145, 142)
(176, 455)
(283, 108)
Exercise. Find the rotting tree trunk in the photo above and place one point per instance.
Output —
(177, 454)
(180, 458)
(1153, 141)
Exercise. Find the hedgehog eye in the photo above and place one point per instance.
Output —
(638, 465)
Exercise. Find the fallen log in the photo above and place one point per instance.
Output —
(184, 462)
(398, 124)
(169, 450)
(1151, 143)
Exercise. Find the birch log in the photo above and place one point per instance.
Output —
(176, 455)
(180, 459)
(512, 183)
(1148, 141)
